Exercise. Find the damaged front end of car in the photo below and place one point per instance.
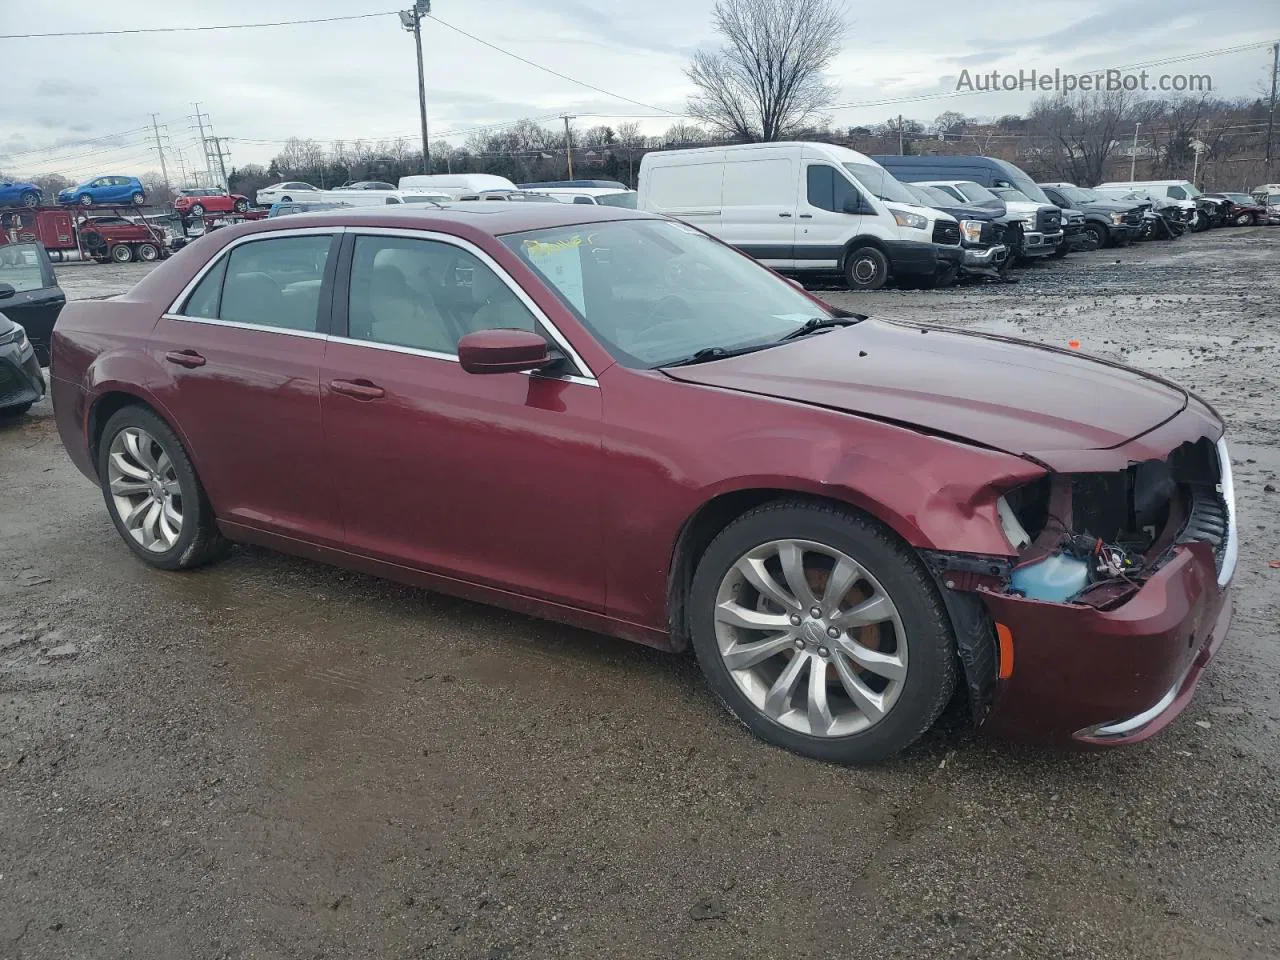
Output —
(1094, 629)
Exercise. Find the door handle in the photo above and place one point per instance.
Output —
(806, 216)
(185, 358)
(784, 214)
(357, 389)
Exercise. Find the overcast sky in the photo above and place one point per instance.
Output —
(356, 79)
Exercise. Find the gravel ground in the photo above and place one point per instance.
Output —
(273, 759)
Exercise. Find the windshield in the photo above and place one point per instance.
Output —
(1028, 187)
(1076, 195)
(1008, 193)
(976, 192)
(1190, 191)
(880, 182)
(654, 292)
(627, 200)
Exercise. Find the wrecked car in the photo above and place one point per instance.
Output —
(985, 235)
(611, 419)
(1113, 223)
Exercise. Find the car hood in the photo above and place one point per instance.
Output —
(990, 390)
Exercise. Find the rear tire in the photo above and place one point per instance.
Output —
(913, 623)
(241, 206)
(198, 541)
(866, 268)
(121, 253)
(31, 199)
(148, 252)
(137, 199)
(286, 199)
(197, 210)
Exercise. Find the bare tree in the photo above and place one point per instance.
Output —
(1076, 135)
(680, 133)
(949, 123)
(767, 79)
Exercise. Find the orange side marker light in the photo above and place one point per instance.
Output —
(1005, 636)
(1073, 344)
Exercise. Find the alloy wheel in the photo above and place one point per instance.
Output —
(811, 638)
(145, 489)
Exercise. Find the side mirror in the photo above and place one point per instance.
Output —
(6, 291)
(503, 351)
(795, 283)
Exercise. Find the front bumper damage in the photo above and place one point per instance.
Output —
(1117, 662)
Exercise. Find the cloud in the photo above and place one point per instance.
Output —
(358, 79)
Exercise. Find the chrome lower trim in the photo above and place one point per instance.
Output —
(1226, 486)
(1122, 728)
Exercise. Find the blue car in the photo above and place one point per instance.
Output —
(15, 193)
(105, 190)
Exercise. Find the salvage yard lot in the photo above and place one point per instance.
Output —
(270, 758)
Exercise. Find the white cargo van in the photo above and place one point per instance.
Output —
(454, 184)
(805, 207)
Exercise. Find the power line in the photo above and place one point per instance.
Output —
(76, 143)
(554, 73)
(221, 26)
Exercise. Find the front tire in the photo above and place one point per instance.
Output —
(822, 632)
(153, 494)
(866, 268)
(137, 199)
(1246, 220)
(197, 210)
(240, 206)
(31, 199)
(15, 411)
(86, 200)
(1101, 237)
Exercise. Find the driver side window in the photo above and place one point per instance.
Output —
(1177, 193)
(426, 295)
(827, 189)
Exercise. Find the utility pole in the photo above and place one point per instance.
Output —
(164, 170)
(411, 20)
(204, 143)
(1271, 117)
(182, 165)
(1133, 155)
(568, 144)
(900, 153)
(222, 163)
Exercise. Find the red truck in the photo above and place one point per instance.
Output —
(100, 234)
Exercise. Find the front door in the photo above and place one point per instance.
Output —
(494, 479)
(242, 361)
(822, 226)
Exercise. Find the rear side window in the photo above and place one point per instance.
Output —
(828, 189)
(266, 283)
(203, 301)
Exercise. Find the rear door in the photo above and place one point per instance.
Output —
(687, 188)
(758, 212)
(242, 350)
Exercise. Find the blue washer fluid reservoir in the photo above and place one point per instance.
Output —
(1055, 578)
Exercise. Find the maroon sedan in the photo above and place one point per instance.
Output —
(613, 420)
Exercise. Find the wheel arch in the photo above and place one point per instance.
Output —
(718, 511)
(112, 397)
(865, 240)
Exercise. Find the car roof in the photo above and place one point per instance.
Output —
(491, 217)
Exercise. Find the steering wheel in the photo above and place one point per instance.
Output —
(670, 300)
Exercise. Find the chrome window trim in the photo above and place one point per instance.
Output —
(173, 313)
(237, 325)
(483, 257)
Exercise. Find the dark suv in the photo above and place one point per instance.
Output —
(1113, 223)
